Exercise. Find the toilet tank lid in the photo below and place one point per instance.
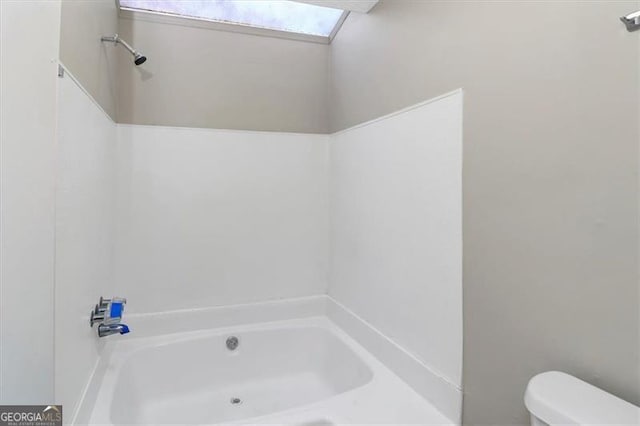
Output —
(558, 398)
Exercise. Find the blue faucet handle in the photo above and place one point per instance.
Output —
(116, 310)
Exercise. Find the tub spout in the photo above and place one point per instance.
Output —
(109, 329)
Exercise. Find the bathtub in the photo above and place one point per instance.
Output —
(305, 372)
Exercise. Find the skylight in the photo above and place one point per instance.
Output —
(280, 15)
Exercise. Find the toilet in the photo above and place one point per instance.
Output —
(555, 398)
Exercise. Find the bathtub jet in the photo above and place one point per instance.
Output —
(138, 58)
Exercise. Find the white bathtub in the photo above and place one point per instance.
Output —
(303, 372)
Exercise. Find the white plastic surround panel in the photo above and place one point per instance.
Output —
(84, 234)
(215, 217)
(396, 229)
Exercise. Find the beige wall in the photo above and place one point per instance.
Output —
(81, 51)
(550, 177)
(29, 34)
(197, 77)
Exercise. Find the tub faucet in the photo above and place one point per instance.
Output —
(108, 314)
(109, 329)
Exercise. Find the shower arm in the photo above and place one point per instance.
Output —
(138, 58)
(632, 21)
(116, 39)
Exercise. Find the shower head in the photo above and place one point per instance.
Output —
(138, 58)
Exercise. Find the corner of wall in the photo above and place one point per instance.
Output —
(92, 62)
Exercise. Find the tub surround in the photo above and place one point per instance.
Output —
(237, 216)
(423, 378)
(186, 320)
(218, 228)
(396, 228)
(84, 234)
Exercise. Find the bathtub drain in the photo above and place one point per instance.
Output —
(232, 343)
(236, 401)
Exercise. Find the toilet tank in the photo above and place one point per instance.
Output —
(557, 398)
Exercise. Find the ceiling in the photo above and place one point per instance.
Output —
(362, 6)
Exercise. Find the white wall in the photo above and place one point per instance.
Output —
(29, 47)
(84, 234)
(396, 229)
(215, 217)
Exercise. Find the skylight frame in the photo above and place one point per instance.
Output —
(175, 19)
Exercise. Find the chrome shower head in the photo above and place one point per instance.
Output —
(138, 58)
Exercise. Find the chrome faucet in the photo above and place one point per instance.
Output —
(105, 330)
(108, 314)
(98, 313)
